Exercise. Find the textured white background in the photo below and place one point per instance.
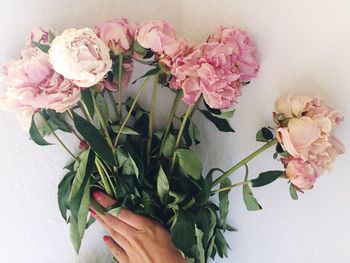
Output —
(303, 46)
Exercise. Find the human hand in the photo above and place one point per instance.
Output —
(134, 238)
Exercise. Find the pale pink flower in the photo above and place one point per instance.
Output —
(208, 70)
(80, 56)
(308, 134)
(33, 85)
(301, 174)
(117, 34)
(244, 48)
(160, 37)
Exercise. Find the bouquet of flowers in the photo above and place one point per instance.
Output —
(74, 82)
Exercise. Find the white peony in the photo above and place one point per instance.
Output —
(80, 56)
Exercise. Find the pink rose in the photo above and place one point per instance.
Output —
(302, 174)
(117, 34)
(309, 131)
(209, 70)
(33, 85)
(128, 68)
(242, 46)
(80, 56)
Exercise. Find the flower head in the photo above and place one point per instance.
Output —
(306, 132)
(33, 85)
(117, 34)
(80, 56)
(209, 70)
(244, 48)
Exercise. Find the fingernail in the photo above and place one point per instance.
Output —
(93, 213)
(105, 238)
(97, 195)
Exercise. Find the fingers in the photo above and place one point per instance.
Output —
(103, 199)
(116, 250)
(134, 220)
(122, 241)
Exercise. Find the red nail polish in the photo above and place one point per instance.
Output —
(93, 213)
(97, 195)
(105, 238)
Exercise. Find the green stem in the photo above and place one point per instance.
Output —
(230, 187)
(179, 136)
(170, 121)
(85, 111)
(108, 177)
(57, 138)
(151, 117)
(103, 177)
(70, 114)
(115, 110)
(142, 87)
(120, 88)
(102, 122)
(244, 161)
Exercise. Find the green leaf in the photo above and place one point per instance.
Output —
(266, 178)
(169, 146)
(102, 105)
(84, 209)
(200, 248)
(204, 195)
(162, 186)
(250, 202)
(93, 137)
(224, 201)
(57, 119)
(221, 124)
(221, 244)
(225, 115)
(126, 130)
(64, 189)
(148, 73)
(42, 47)
(80, 175)
(35, 134)
(183, 231)
(189, 163)
(293, 192)
(206, 220)
(74, 234)
(138, 48)
(97, 207)
(86, 97)
(264, 135)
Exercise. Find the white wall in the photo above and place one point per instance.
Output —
(303, 45)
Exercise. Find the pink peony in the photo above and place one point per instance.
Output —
(117, 34)
(160, 37)
(33, 85)
(208, 70)
(244, 48)
(80, 56)
(302, 174)
(308, 134)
